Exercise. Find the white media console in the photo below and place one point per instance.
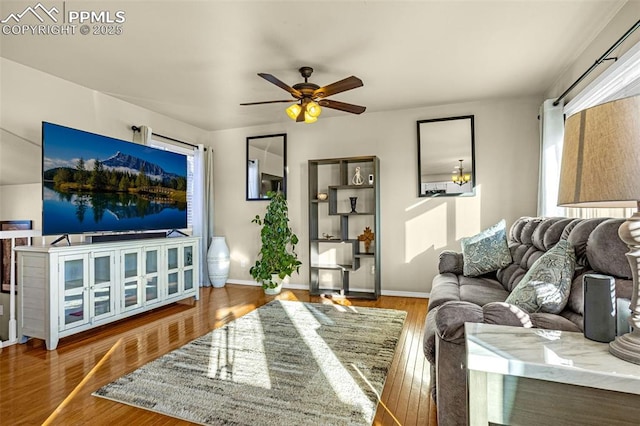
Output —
(63, 290)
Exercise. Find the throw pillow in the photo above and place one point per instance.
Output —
(487, 251)
(546, 286)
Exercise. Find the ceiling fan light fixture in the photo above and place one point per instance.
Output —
(313, 109)
(308, 118)
(293, 111)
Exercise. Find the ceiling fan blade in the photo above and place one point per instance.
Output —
(337, 87)
(342, 106)
(274, 80)
(269, 102)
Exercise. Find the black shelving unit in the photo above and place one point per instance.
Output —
(333, 217)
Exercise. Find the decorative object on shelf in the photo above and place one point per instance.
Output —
(459, 177)
(277, 259)
(357, 178)
(600, 143)
(370, 179)
(218, 261)
(322, 196)
(353, 201)
(367, 238)
(310, 96)
(328, 237)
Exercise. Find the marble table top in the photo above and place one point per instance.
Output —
(557, 356)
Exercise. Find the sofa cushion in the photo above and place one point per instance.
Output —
(606, 253)
(481, 290)
(487, 251)
(500, 313)
(546, 286)
(553, 322)
(445, 288)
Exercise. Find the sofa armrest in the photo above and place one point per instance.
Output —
(450, 262)
(452, 316)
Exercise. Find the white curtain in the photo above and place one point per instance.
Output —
(203, 206)
(253, 179)
(621, 79)
(551, 139)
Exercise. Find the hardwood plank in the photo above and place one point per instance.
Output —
(54, 387)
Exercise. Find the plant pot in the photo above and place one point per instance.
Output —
(218, 262)
(276, 279)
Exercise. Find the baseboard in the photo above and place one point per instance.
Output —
(415, 294)
(295, 286)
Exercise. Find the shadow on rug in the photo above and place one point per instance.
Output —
(286, 363)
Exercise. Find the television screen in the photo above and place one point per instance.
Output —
(93, 184)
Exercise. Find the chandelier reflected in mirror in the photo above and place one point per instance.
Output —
(459, 177)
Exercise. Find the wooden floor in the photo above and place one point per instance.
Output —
(54, 387)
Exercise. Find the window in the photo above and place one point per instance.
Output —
(159, 142)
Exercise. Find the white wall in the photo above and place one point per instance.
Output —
(29, 97)
(414, 230)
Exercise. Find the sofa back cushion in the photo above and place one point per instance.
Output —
(598, 249)
(530, 238)
(595, 241)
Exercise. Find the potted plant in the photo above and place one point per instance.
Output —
(277, 259)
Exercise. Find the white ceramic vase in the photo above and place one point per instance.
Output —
(218, 261)
(276, 279)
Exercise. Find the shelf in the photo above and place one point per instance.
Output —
(351, 214)
(336, 240)
(334, 176)
(352, 187)
(334, 266)
(364, 255)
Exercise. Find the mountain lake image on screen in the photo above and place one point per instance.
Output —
(93, 183)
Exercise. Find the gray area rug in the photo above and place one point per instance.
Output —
(286, 363)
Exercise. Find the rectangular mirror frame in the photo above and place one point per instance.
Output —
(454, 161)
(283, 180)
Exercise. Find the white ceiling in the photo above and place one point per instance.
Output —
(196, 61)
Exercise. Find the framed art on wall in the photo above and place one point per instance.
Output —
(5, 250)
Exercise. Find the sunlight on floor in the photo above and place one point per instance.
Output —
(382, 404)
(343, 384)
(77, 389)
(228, 357)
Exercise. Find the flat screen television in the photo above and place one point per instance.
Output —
(97, 184)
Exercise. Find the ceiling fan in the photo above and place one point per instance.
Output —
(309, 97)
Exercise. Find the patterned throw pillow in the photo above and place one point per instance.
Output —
(487, 251)
(546, 286)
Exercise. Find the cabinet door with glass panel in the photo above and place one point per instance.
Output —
(102, 285)
(151, 276)
(188, 281)
(180, 268)
(172, 260)
(131, 279)
(74, 283)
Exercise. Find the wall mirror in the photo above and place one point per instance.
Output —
(266, 165)
(446, 165)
